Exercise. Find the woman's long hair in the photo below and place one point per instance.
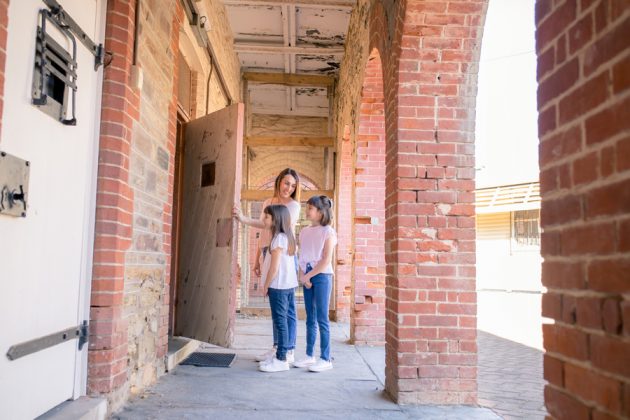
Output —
(298, 189)
(281, 223)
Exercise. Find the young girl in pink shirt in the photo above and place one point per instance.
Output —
(317, 242)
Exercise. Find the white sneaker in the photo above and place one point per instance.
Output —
(264, 362)
(320, 366)
(306, 362)
(290, 358)
(274, 366)
(266, 355)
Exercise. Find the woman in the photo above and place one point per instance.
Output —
(287, 193)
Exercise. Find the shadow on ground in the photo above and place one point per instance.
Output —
(352, 390)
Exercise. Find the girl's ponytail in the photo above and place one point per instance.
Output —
(324, 205)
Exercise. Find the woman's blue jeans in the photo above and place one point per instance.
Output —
(316, 301)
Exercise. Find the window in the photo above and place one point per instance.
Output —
(525, 230)
(184, 87)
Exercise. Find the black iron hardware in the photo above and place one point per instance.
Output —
(80, 332)
(55, 68)
(66, 21)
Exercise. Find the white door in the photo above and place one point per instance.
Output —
(45, 258)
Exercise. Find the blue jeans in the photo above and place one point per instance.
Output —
(291, 319)
(281, 300)
(316, 301)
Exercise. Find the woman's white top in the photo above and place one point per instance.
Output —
(287, 276)
(294, 210)
(312, 240)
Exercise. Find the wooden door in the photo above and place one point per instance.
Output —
(206, 295)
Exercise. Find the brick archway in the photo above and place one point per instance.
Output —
(430, 53)
(367, 324)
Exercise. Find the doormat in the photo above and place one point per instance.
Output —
(210, 359)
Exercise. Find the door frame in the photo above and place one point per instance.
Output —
(89, 220)
(178, 179)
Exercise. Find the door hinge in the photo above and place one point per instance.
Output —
(80, 332)
(84, 333)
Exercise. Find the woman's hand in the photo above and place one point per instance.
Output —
(237, 214)
(257, 269)
(265, 290)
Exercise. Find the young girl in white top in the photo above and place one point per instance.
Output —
(286, 192)
(316, 248)
(279, 280)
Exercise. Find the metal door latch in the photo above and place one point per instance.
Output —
(14, 175)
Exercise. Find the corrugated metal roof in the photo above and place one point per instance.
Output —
(508, 198)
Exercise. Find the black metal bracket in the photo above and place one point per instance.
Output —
(84, 333)
(65, 21)
(80, 332)
(55, 71)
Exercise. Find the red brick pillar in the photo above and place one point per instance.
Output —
(4, 25)
(430, 52)
(584, 130)
(107, 356)
(368, 310)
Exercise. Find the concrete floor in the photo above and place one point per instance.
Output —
(352, 390)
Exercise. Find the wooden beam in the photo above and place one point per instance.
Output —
(320, 4)
(290, 141)
(261, 195)
(281, 49)
(288, 79)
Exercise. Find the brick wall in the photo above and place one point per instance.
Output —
(129, 304)
(368, 322)
(346, 100)
(345, 243)
(151, 171)
(107, 356)
(584, 130)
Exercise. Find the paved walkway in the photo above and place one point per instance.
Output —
(510, 378)
(352, 390)
(510, 384)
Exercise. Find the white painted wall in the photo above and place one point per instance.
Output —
(46, 257)
(508, 284)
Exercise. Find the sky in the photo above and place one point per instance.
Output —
(506, 135)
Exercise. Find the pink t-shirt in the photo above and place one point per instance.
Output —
(312, 240)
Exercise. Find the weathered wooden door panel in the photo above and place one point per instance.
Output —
(206, 297)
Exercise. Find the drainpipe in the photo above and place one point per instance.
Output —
(198, 25)
(208, 84)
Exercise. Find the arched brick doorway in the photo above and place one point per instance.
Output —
(368, 285)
